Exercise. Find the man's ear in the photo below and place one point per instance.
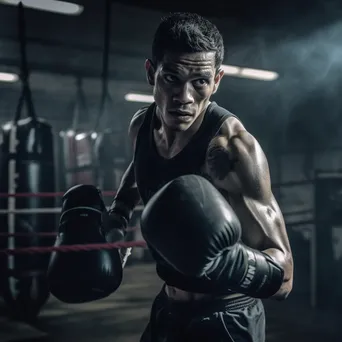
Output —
(150, 71)
(217, 80)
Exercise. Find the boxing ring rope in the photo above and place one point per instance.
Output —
(49, 234)
(56, 210)
(72, 248)
(11, 252)
(46, 194)
(113, 193)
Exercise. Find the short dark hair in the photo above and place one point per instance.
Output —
(187, 32)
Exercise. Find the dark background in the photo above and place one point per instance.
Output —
(298, 39)
(296, 118)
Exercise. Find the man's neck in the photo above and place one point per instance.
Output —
(172, 137)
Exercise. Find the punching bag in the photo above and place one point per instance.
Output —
(77, 151)
(76, 144)
(26, 166)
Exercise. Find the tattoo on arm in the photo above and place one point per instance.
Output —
(220, 162)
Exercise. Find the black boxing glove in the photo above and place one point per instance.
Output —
(246, 270)
(194, 229)
(83, 276)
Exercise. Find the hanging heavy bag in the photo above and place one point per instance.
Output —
(27, 165)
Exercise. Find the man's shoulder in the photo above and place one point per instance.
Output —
(233, 132)
(140, 113)
(233, 136)
(231, 124)
(136, 122)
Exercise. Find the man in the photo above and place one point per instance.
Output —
(184, 133)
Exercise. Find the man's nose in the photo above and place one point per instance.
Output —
(183, 94)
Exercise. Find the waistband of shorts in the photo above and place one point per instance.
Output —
(240, 302)
(218, 302)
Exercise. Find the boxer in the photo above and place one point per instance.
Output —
(184, 133)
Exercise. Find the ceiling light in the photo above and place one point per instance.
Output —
(61, 7)
(230, 70)
(139, 98)
(8, 77)
(256, 74)
(80, 136)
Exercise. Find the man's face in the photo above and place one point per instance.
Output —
(183, 84)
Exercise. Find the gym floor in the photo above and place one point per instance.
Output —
(123, 316)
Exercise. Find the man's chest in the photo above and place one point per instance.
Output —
(152, 174)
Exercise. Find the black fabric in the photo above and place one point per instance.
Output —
(218, 320)
(153, 171)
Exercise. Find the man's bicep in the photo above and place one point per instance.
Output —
(251, 167)
(250, 195)
(262, 223)
(239, 166)
(253, 173)
(261, 217)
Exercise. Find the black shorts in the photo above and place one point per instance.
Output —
(239, 319)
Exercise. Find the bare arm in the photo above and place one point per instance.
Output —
(237, 165)
(127, 196)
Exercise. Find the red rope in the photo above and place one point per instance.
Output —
(28, 234)
(72, 248)
(46, 194)
(46, 234)
(112, 193)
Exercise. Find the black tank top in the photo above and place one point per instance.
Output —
(152, 171)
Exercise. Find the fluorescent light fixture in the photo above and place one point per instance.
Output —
(61, 7)
(229, 70)
(8, 77)
(70, 133)
(7, 126)
(256, 74)
(80, 136)
(139, 98)
(263, 75)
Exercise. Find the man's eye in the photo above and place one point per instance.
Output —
(201, 82)
(170, 78)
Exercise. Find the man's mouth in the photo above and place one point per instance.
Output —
(182, 116)
(180, 113)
